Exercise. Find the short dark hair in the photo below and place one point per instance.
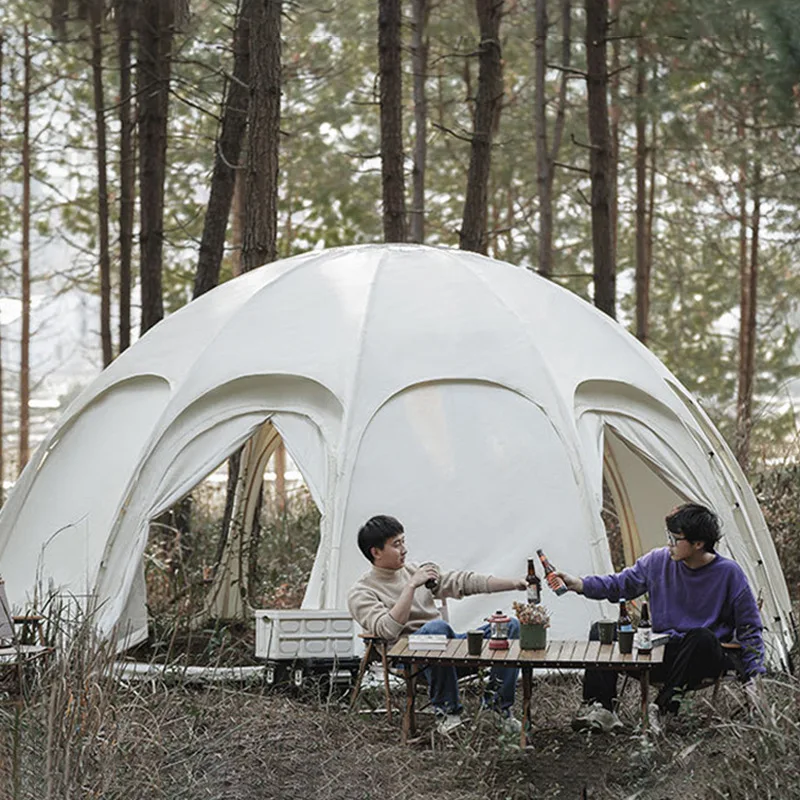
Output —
(376, 531)
(697, 523)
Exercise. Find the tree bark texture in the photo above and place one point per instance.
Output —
(391, 112)
(642, 249)
(749, 263)
(419, 59)
(474, 234)
(259, 245)
(59, 13)
(227, 158)
(127, 170)
(155, 26)
(614, 115)
(2, 416)
(96, 25)
(599, 155)
(543, 167)
(546, 156)
(237, 218)
(25, 335)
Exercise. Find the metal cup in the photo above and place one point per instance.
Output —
(474, 642)
(606, 628)
(625, 641)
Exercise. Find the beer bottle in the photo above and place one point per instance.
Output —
(645, 635)
(553, 581)
(534, 584)
(624, 623)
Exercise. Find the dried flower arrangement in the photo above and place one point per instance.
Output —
(532, 614)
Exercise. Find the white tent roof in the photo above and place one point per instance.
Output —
(475, 401)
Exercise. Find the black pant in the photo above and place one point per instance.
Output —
(687, 662)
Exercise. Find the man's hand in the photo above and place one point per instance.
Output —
(573, 584)
(425, 573)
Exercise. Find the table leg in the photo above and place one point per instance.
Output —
(527, 680)
(409, 718)
(645, 682)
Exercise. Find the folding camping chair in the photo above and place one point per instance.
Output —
(732, 650)
(376, 648)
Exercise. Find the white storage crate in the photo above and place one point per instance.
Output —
(286, 635)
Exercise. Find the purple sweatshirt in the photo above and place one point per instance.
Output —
(715, 596)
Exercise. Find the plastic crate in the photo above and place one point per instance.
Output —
(305, 634)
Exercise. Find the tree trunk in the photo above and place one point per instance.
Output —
(237, 218)
(599, 155)
(156, 22)
(127, 171)
(473, 235)
(234, 465)
(2, 417)
(226, 161)
(96, 25)
(642, 262)
(615, 112)
(391, 105)
(542, 155)
(280, 477)
(651, 198)
(419, 59)
(25, 340)
(747, 323)
(546, 159)
(59, 14)
(259, 245)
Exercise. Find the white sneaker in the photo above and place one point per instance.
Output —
(596, 718)
(449, 722)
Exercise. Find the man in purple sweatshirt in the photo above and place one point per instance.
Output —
(698, 597)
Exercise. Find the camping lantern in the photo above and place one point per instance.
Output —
(498, 625)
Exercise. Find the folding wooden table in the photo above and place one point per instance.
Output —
(557, 655)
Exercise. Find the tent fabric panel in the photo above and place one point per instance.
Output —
(152, 494)
(199, 439)
(224, 599)
(469, 470)
(758, 539)
(75, 493)
(318, 323)
(642, 497)
(581, 344)
(306, 445)
(132, 627)
(455, 335)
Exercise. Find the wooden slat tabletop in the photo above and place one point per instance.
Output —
(558, 654)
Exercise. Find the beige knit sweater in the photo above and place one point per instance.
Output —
(376, 592)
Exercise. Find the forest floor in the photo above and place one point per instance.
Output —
(337, 755)
(279, 744)
(116, 739)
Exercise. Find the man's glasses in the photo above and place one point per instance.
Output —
(673, 539)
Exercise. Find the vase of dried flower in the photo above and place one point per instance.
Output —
(532, 636)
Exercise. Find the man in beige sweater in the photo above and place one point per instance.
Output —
(392, 599)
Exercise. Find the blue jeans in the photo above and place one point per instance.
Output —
(443, 681)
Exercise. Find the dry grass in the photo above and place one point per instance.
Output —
(80, 732)
(85, 734)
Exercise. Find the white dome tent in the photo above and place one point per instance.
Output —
(477, 402)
